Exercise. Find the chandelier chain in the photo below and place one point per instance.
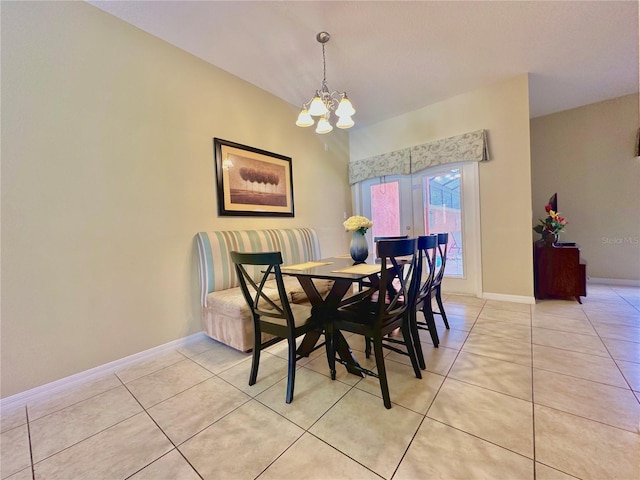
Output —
(324, 66)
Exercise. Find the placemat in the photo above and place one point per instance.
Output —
(305, 266)
(364, 268)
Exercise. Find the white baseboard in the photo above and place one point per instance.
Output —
(614, 281)
(508, 298)
(57, 386)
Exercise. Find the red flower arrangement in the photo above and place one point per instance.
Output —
(553, 224)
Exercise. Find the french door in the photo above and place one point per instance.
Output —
(388, 203)
(436, 200)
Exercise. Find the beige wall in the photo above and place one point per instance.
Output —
(107, 174)
(587, 155)
(505, 181)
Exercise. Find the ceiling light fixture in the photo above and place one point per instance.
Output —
(325, 101)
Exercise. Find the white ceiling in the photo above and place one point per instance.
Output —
(398, 56)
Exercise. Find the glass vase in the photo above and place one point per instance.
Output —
(359, 249)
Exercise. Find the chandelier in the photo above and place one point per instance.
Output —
(324, 102)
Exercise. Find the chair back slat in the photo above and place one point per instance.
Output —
(443, 246)
(379, 239)
(259, 302)
(394, 237)
(426, 266)
(398, 262)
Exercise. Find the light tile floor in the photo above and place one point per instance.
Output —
(545, 391)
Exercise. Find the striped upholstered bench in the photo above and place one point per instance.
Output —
(225, 314)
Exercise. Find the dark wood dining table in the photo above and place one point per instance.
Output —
(344, 274)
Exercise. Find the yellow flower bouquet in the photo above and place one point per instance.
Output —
(357, 223)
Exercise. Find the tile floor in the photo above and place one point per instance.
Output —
(545, 391)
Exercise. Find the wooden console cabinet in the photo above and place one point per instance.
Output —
(558, 271)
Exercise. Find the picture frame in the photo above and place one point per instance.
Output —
(252, 182)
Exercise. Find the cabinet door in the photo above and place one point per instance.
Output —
(558, 272)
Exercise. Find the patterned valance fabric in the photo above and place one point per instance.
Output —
(468, 147)
(392, 163)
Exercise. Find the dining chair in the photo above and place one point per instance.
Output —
(363, 283)
(443, 245)
(271, 311)
(393, 237)
(376, 312)
(425, 274)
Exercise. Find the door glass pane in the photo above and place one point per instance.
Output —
(385, 209)
(443, 214)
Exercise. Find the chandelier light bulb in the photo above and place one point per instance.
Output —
(345, 122)
(304, 119)
(323, 126)
(345, 108)
(317, 107)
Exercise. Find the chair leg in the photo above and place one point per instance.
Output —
(415, 335)
(255, 362)
(291, 377)
(367, 347)
(439, 300)
(411, 348)
(427, 312)
(382, 372)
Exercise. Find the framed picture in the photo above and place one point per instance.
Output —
(252, 182)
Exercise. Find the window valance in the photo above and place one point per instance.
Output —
(392, 163)
(468, 147)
